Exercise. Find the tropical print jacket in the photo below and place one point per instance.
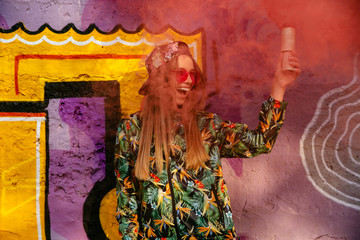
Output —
(187, 204)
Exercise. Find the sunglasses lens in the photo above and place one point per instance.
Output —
(195, 76)
(181, 75)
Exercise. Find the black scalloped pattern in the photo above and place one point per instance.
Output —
(91, 28)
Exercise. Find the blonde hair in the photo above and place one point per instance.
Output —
(157, 115)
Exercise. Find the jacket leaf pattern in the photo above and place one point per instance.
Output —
(200, 197)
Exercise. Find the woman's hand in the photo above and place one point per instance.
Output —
(284, 78)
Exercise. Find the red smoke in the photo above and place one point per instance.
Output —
(322, 26)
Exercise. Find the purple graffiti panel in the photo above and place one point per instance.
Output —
(3, 23)
(76, 161)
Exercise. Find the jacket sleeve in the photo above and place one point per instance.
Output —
(236, 140)
(127, 205)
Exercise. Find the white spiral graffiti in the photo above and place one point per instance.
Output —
(329, 147)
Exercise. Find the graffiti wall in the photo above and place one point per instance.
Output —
(69, 69)
(62, 96)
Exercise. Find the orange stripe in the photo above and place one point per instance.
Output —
(21, 114)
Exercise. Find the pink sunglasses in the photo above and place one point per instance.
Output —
(181, 75)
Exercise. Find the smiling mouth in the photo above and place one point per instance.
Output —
(183, 91)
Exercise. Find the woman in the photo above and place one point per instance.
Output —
(169, 175)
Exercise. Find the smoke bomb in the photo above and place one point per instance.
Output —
(287, 45)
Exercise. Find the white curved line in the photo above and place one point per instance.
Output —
(328, 135)
(322, 149)
(336, 152)
(306, 133)
(133, 44)
(93, 40)
(44, 38)
(28, 42)
(2, 40)
(83, 43)
(105, 44)
(343, 135)
(166, 40)
(350, 143)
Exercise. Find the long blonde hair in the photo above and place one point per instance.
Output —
(157, 116)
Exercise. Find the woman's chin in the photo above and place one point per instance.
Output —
(180, 99)
(179, 104)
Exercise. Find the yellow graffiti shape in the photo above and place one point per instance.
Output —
(22, 171)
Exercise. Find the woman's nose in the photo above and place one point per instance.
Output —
(188, 79)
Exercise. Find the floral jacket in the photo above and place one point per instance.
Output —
(187, 204)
